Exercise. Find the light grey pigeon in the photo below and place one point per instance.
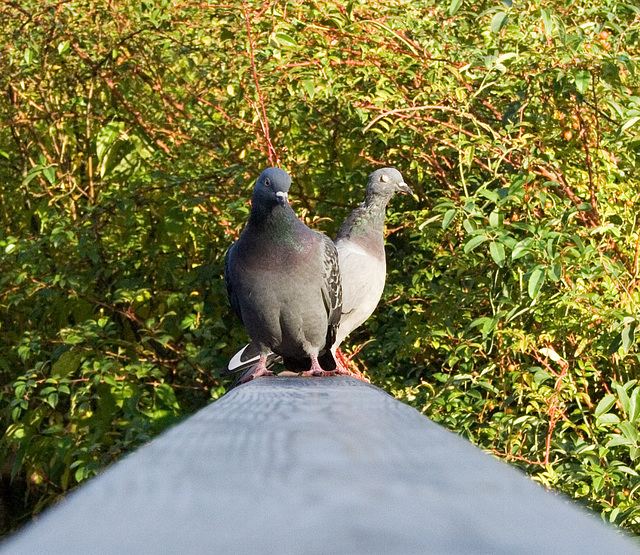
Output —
(283, 282)
(360, 244)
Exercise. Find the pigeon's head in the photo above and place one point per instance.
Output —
(272, 187)
(387, 182)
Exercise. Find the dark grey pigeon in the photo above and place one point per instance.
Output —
(360, 244)
(283, 282)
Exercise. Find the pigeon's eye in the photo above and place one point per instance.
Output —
(267, 182)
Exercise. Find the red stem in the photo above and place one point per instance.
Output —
(264, 122)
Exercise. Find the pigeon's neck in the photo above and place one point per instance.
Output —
(368, 219)
(276, 222)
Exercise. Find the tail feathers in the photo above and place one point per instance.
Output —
(246, 359)
(245, 362)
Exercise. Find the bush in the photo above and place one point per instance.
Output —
(131, 136)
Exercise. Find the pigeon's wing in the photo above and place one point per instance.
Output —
(234, 300)
(331, 288)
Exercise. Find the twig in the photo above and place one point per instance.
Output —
(264, 122)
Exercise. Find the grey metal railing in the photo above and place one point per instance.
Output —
(314, 465)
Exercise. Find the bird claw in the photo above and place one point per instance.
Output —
(316, 369)
(257, 373)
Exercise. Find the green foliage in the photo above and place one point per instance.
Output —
(130, 137)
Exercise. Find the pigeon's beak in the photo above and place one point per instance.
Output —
(282, 197)
(404, 189)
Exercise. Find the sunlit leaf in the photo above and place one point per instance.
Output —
(286, 40)
(498, 22)
(536, 281)
(605, 405)
(474, 242)
(497, 253)
(547, 22)
(583, 77)
(454, 6)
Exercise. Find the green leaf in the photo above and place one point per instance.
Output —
(489, 325)
(605, 405)
(286, 40)
(80, 473)
(448, 217)
(551, 353)
(628, 335)
(629, 431)
(454, 6)
(66, 364)
(19, 459)
(547, 21)
(626, 469)
(598, 482)
(583, 77)
(536, 280)
(52, 399)
(493, 196)
(479, 322)
(496, 219)
(623, 397)
(166, 397)
(615, 344)
(474, 242)
(521, 249)
(63, 47)
(107, 136)
(309, 87)
(629, 123)
(497, 253)
(541, 376)
(555, 272)
(618, 440)
(608, 418)
(50, 173)
(469, 225)
(634, 406)
(498, 22)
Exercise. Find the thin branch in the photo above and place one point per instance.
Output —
(264, 122)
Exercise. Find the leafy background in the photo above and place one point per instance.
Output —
(130, 136)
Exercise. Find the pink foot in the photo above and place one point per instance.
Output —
(261, 370)
(316, 369)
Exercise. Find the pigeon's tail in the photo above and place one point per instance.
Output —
(245, 361)
(245, 358)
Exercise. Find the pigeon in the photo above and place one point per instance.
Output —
(360, 245)
(283, 282)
